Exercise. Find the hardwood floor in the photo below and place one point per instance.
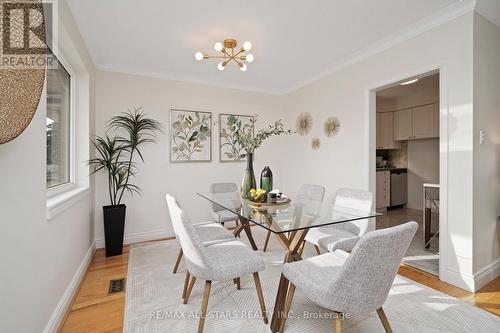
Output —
(94, 311)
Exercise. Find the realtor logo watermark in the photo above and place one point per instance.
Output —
(28, 32)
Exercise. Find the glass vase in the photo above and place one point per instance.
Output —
(248, 182)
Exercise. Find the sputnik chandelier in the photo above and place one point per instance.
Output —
(229, 52)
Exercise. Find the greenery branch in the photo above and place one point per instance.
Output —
(250, 141)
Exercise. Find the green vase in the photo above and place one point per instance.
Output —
(248, 182)
(266, 180)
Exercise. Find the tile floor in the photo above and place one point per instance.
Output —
(416, 256)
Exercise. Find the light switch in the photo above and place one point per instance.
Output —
(481, 137)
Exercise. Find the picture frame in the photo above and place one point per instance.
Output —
(190, 136)
(229, 150)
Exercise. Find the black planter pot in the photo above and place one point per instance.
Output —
(114, 225)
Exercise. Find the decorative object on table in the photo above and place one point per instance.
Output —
(115, 156)
(228, 53)
(251, 141)
(258, 195)
(315, 143)
(21, 85)
(271, 198)
(191, 136)
(304, 123)
(266, 179)
(331, 127)
(230, 149)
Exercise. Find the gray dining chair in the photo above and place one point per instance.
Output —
(306, 192)
(219, 262)
(354, 284)
(343, 236)
(220, 214)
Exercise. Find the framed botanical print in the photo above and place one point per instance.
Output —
(230, 150)
(190, 136)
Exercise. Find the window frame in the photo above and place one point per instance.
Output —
(71, 184)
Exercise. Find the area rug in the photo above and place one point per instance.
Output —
(153, 301)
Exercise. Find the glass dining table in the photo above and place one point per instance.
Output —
(289, 220)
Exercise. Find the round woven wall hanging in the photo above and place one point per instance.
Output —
(20, 93)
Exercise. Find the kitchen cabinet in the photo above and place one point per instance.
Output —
(385, 131)
(426, 121)
(383, 190)
(420, 122)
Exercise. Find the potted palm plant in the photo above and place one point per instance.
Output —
(115, 156)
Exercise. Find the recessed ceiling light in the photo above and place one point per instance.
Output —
(408, 82)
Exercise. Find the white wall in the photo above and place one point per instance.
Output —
(487, 155)
(423, 167)
(147, 215)
(347, 159)
(39, 257)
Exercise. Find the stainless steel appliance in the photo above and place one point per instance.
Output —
(399, 187)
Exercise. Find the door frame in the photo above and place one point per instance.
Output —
(370, 128)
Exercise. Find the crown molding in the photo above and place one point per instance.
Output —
(490, 9)
(436, 19)
(186, 79)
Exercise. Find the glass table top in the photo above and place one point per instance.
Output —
(285, 217)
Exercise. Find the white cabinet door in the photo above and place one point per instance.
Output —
(403, 125)
(383, 195)
(426, 121)
(386, 137)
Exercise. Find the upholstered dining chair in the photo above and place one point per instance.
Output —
(306, 192)
(219, 262)
(343, 236)
(220, 214)
(354, 284)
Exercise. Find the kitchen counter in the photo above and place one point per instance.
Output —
(391, 169)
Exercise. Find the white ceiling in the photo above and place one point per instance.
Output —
(425, 82)
(293, 41)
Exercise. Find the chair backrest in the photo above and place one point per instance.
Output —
(368, 273)
(310, 192)
(186, 234)
(357, 200)
(222, 188)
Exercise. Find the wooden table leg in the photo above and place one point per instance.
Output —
(293, 244)
(245, 225)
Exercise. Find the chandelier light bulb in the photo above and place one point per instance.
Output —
(221, 66)
(243, 67)
(247, 46)
(218, 46)
(249, 57)
(198, 56)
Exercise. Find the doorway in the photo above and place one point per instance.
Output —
(407, 163)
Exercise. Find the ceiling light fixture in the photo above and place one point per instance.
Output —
(228, 53)
(408, 82)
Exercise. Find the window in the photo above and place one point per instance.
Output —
(58, 125)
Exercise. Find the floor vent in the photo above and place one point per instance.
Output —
(115, 286)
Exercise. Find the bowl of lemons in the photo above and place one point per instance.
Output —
(258, 195)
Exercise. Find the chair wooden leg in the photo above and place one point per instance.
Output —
(204, 305)
(260, 295)
(383, 319)
(190, 288)
(186, 282)
(288, 305)
(267, 240)
(237, 283)
(339, 323)
(318, 251)
(179, 257)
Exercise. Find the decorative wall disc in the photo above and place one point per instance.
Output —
(316, 143)
(331, 127)
(304, 123)
(20, 91)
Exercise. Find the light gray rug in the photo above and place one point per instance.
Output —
(153, 301)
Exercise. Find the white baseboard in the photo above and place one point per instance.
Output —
(460, 279)
(487, 274)
(65, 301)
(140, 237)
